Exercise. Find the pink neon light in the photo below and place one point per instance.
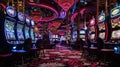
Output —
(65, 4)
(3, 5)
(45, 6)
(74, 16)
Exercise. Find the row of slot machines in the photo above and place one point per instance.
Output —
(108, 31)
(16, 27)
(104, 27)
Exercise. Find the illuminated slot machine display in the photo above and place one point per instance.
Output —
(102, 26)
(32, 34)
(54, 37)
(74, 36)
(9, 25)
(92, 31)
(115, 24)
(20, 27)
(82, 34)
(27, 28)
(68, 36)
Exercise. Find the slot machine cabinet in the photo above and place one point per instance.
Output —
(92, 30)
(103, 27)
(82, 34)
(32, 33)
(115, 32)
(20, 27)
(7, 29)
(115, 25)
(27, 28)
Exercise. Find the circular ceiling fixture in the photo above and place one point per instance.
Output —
(46, 19)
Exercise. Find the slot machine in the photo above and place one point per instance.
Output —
(9, 25)
(74, 36)
(32, 34)
(82, 34)
(7, 28)
(115, 25)
(102, 26)
(20, 27)
(27, 28)
(92, 30)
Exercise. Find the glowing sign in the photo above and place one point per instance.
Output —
(21, 16)
(11, 11)
(32, 23)
(28, 21)
(115, 11)
(82, 32)
(101, 17)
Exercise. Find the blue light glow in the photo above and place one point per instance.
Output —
(11, 11)
(101, 17)
(115, 12)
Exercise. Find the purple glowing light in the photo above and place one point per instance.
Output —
(62, 14)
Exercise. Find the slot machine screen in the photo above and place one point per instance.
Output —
(20, 32)
(74, 34)
(116, 34)
(102, 35)
(54, 36)
(9, 30)
(26, 32)
(32, 34)
(115, 23)
(82, 32)
(92, 29)
(92, 36)
(101, 26)
(82, 36)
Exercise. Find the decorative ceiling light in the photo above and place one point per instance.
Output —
(65, 4)
(62, 14)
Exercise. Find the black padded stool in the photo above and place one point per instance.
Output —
(93, 53)
(107, 55)
(85, 51)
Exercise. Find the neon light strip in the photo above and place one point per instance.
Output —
(3, 5)
(45, 6)
(106, 31)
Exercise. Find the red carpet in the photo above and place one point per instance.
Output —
(60, 58)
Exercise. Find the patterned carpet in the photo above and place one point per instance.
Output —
(59, 57)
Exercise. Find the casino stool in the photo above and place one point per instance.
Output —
(41, 52)
(93, 53)
(85, 51)
(107, 55)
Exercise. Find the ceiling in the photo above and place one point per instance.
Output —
(46, 12)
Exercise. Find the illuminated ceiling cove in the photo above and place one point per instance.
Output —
(46, 19)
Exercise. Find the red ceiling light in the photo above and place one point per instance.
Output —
(65, 4)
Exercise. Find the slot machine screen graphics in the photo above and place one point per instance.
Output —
(101, 27)
(115, 34)
(9, 30)
(32, 34)
(26, 32)
(20, 32)
(92, 36)
(82, 34)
